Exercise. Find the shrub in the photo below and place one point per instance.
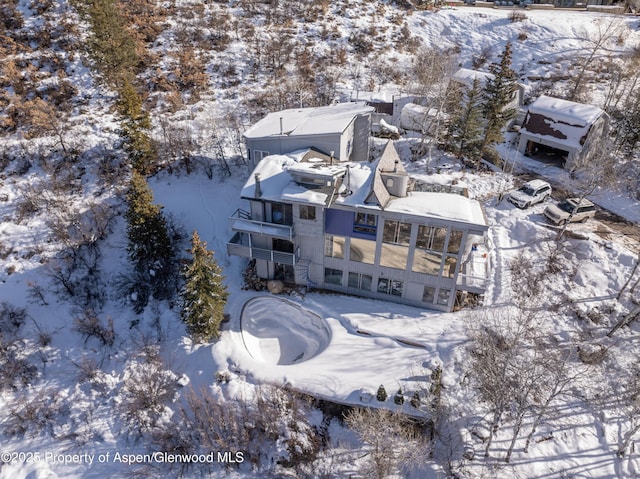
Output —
(415, 400)
(30, 413)
(398, 398)
(381, 395)
(89, 325)
(11, 318)
(517, 16)
(15, 371)
(147, 390)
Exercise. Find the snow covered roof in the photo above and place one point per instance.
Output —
(564, 111)
(466, 77)
(439, 205)
(277, 173)
(308, 121)
(562, 120)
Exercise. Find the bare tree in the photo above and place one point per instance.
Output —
(631, 275)
(593, 169)
(607, 28)
(432, 70)
(395, 445)
(633, 400)
(505, 367)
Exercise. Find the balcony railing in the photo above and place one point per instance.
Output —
(241, 221)
(474, 274)
(474, 284)
(237, 247)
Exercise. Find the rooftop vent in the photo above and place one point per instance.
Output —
(258, 190)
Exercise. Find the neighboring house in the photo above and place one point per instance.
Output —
(357, 228)
(466, 77)
(341, 130)
(561, 128)
(415, 117)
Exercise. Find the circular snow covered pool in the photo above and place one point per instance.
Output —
(277, 331)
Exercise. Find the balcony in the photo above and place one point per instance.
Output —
(240, 245)
(475, 271)
(241, 221)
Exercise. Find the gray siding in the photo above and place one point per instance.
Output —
(362, 128)
(282, 144)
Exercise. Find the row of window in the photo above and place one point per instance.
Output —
(391, 256)
(397, 232)
(282, 213)
(364, 282)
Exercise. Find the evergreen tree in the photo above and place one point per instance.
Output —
(112, 47)
(135, 126)
(465, 130)
(498, 93)
(151, 248)
(381, 395)
(399, 397)
(629, 125)
(203, 295)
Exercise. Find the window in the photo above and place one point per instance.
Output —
(334, 246)
(429, 294)
(307, 212)
(430, 237)
(426, 262)
(430, 243)
(258, 155)
(362, 251)
(396, 237)
(360, 281)
(390, 286)
(281, 214)
(333, 276)
(365, 223)
(394, 256)
(455, 239)
(443, 297)
(450, 263)
(583, 209)
(396, 232)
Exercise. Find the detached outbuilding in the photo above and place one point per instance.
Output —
(562, 130)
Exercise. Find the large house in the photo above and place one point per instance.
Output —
(341, 130)
(360, 228)
(562, 129)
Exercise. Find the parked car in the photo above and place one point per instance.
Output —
(532, 192)
(560, 213)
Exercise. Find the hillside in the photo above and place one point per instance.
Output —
(88, 383)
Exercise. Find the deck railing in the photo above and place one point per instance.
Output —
(241, 221)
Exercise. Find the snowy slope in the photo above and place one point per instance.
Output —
(79, 394)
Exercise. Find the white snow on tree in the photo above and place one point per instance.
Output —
(203, 295)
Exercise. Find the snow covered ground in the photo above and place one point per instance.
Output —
(78, 398)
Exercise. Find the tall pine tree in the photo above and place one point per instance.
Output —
(465, 129)
(203, 295)
(498, 93)
(151, 248)
(136, 125)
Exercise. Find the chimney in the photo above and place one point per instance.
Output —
(331, 159)
(281, 127)
(395, 166)
(258, 191)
